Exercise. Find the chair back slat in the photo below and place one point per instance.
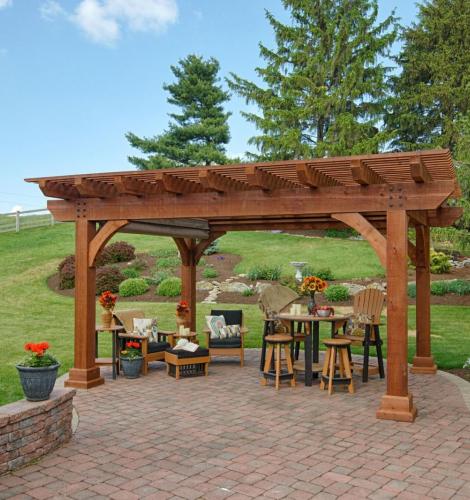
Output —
(369, 302)
(232, 316)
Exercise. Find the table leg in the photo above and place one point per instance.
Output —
(96, 344)
(308, 354)
(114, 336)
(316, 344)
(263, 346)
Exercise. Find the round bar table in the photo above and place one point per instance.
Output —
(312, 339)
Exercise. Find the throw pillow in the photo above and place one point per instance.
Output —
(215, 323)
(230, 331)
(146, 327)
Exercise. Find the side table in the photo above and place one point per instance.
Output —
(113, 361)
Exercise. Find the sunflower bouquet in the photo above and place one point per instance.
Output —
(312, 284)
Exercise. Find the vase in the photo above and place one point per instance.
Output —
(37, 382)
(312, 306)
(106, 318)
(182, 320)
(131, 367)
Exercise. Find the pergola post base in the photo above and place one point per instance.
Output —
(424, 365)
(399, 408)
(82, 378)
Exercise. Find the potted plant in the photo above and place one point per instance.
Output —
(107, 301)
(131, 359)
(309, 286)
(182, 314)
(38, 372)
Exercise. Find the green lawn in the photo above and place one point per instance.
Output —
(30, 312)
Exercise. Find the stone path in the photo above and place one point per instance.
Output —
(226, 436)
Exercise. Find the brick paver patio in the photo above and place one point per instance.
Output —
(226, 436)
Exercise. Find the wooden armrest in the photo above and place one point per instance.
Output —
(206, 330)
(165, 333)
(244, 330)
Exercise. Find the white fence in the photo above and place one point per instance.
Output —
(26, 219)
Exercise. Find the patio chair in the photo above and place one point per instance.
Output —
(151, 351)
(368, 305)
(273, 300)
(233, 346)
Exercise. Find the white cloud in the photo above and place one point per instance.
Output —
(5, 3)
(17, 208)
(50, 10)
(103, 20)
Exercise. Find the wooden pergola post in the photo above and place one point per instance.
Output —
(423, 362)
(397, 403)
(84, 374)
(187, 249)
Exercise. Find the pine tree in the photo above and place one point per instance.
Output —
(324, 89)
(433, 88)
(198, 134)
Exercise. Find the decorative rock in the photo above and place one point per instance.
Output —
(204, 285)
(353, 288)
(243, 275)
(235, 286)
(379, 285)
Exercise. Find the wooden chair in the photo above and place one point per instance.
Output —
(368, 305)
(151, 351)
(273, 300)
(233, 346)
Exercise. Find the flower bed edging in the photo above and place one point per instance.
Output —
(30, 430)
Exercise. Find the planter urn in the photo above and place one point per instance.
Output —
(37, 382)
(131, 367)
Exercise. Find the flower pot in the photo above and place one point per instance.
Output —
(106, 318)
(131, 367)
(37, 382)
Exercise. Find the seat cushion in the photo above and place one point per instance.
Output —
(181, 353)
(230, 342)
(157, 347)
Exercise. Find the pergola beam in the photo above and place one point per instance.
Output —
(267, 181)
(94, 188)
(364, 175)
(419, 172)
(220, 183)
(312, 177)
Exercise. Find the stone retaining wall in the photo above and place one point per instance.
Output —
(30, 430)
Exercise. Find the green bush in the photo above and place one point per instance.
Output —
(159, 276)
(264, 272)
(324, 273)
(336, 293)
(132, 287)
(459, 287)
(212, 248)
(202, 262)
(340, 233)
(130, 272)
(412, 290)
(167, 262)
(120, 251)
(170, 287)
(439, 263)
(248, 292)
(439, 287)
(139, 264)
(108, 278)
(210, 272)
(290, 282)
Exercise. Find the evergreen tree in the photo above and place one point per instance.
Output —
(198, 134)
(434, 85)
(324, 89)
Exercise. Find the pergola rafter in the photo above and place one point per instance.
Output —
(378, 195)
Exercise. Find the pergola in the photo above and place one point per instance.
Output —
(381, 196)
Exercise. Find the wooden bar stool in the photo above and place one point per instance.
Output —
(276, 344)
(334, 347)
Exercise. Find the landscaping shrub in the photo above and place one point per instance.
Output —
(168, 262)
(340, 233)
(104, 258)
(132, 287)
(139, 264)
(130, 272)
(290, 282)
(67, 273)
(212, 248)
(108, 278)
(159, 276)
(248, 292)
(439, 287)
(202, 262)
(170, 287)
(264, 272)
(325, 273)
(121, 251)
(336, 293)
(210, 272)
(439, 263)
(459, 287)
(412, 290)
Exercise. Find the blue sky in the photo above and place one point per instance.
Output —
(75, 75)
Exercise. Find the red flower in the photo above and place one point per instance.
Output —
(38, 349)
(133, 344)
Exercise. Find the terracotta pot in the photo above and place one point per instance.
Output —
(106, 318)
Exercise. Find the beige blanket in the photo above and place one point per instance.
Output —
(126, 318)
